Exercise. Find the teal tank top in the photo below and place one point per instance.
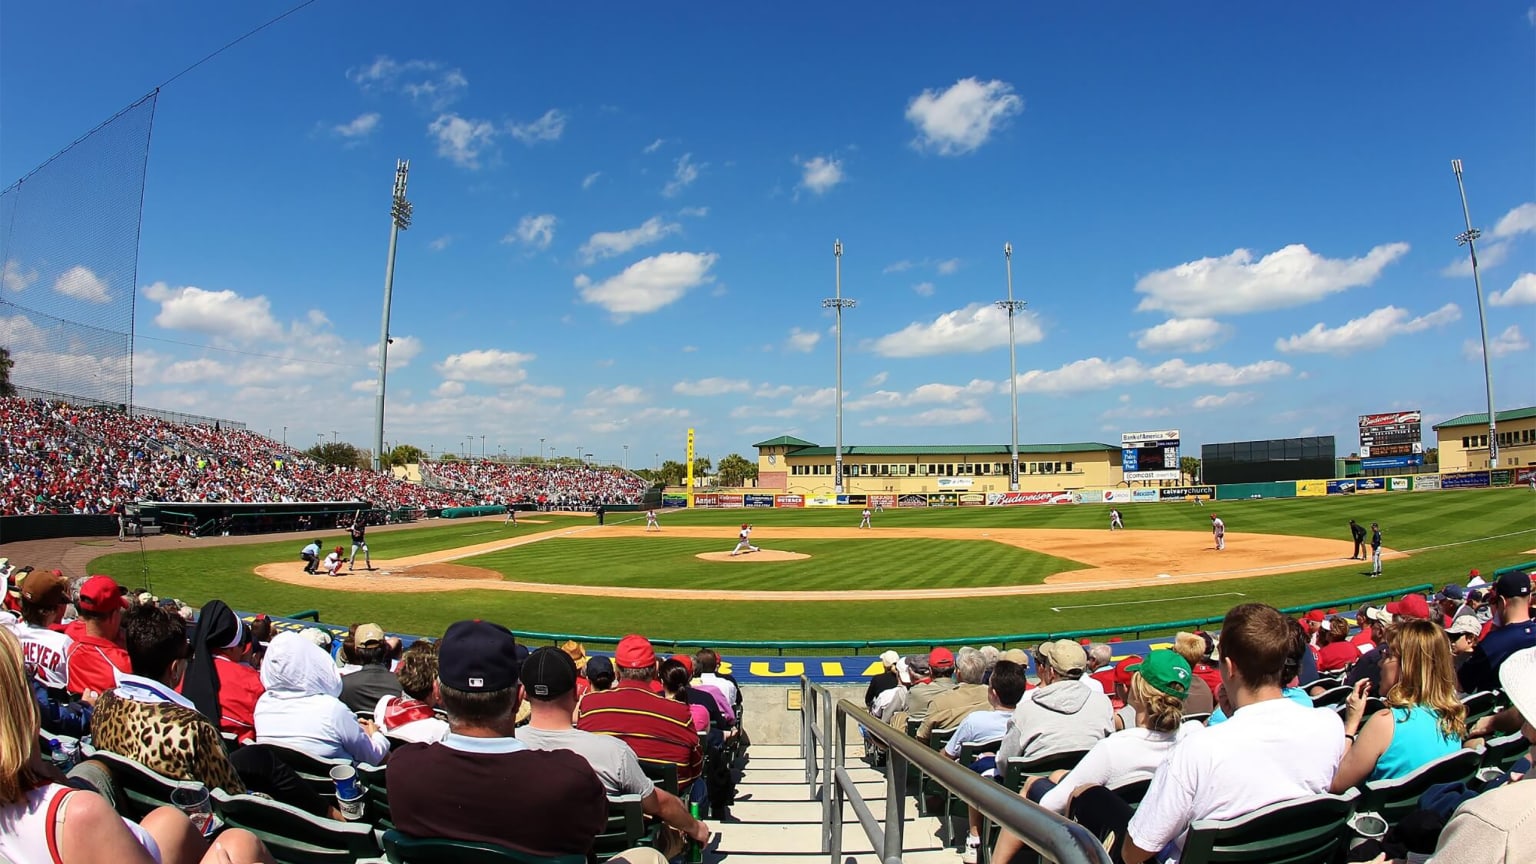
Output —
(1416, 742)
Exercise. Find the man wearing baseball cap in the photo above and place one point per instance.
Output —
(362, 688)
(480, 783)
(1061, 715)
(658, 729)
(1463, 633)
(883, 680)
(549, 678)
(1513, 631)
(969, 694)
(97, 655)
(941, 669)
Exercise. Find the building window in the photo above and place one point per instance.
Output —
(1069, 467)
(1466, 443)
(885, 470)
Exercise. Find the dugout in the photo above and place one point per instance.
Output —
(204, 519)
(1270, 461)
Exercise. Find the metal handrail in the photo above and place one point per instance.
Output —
(1055, 838)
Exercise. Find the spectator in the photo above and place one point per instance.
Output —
(721, 714)
(1100, 666)
(936, 671)
(968, 695)
(883, 680)
(1004, 690)
(1335, 652)
(464, 787)
(97, 655)
(301, 708)
(1476, 605)
(361, 690)
(44, 597)
(1365, 640)
(35, 824)
(599, 673)
(1202, 697)
(674, 681)
(1120, 680)
(1368, 667)
(1289, 677)
(1513, 631)
(1424, 720)
(1272, 749)
(222, 688)
(656, 728)
(1206, 669)
(261, 637)
(1450, 599)
(1312, 622)
(550, 683)
(578, 655)
(1061, 715)
(411, 716)
(1463, 634)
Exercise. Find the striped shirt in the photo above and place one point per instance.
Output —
(658, 729)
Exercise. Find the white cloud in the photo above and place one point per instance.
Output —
(1096, 373)
(1184, 334)
(365, 385)
(1521, 292)
(549, 127)
(877, 379)
(461, 141)
(690, 349)
(82, 284)
(606, 244)
(653, 146)
(448, 389)
(402, 350)
(823, 398)
(1230, 400)
(977, 327)
(221, 314)
(962, 118)
(802, 340)
(358, 127)
(536, 231)
(622, 394)
(14, 278)
(926, 394)
(648, 284)
(486, 366)
(923, 289)
(711, 387)
(819, 174)
(193, 371)
(957, 416)
(1521, 220)
(770, 391)
(694, 212)
(683, 175)
(948, 267)
(424, 81)
(1371, 331)
(1508, 342)
(590, 180)
(1177, 373)
(897, 266)
(1236, 284)
(440, 243)
(1488, 256)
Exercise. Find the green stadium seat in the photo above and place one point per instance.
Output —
(375, 795)
(313, 770)
(626, 828)
(1331, 697)
(1504, 752)
(1019, 768)
(1304, 831)
(296, 837)
(663, 774)
(1394, 799)
(1480, 705)
(402, 849)
(140, 789)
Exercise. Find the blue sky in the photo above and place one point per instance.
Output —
(1235, 222)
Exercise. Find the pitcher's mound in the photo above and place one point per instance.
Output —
(769, 555)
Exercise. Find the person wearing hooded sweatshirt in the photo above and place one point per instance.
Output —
(1061, 715)
(301, 708)
(222, 687)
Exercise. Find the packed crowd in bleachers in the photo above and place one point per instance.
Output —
(59, 458)
(1422, 720)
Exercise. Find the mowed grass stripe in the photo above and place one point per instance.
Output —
(845, 565)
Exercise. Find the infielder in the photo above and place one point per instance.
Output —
(1375, 550)
(359, 542)
(743, 541)
(1219, 530)
(511, 516)
(1114, 520)
(864, 518)
(650, 520)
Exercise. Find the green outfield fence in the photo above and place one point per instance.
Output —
(1134, 632)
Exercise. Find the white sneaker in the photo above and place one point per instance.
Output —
(972, 844)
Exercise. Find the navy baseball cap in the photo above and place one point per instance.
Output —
(477, 657)
(1453, 592)
(1513, 584)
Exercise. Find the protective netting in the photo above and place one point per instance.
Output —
(69, 251)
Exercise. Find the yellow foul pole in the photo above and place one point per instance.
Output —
(690, 469)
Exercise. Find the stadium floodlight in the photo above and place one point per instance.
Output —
(1468, 238)
(1012, 307)
(399, 220)
(838, 303)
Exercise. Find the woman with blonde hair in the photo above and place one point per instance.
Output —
(43, 820)
(1423, 720)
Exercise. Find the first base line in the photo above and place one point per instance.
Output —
(1159, 600)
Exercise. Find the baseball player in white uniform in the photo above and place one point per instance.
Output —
(864, 518)
(1219, 530)
(1114, 520)
(650, 520)
(743, 541)
(333, 562)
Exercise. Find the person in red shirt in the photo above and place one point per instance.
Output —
(658, 729)
(96, 655)
(1200, 645)
(1337, 652)
(217, 681)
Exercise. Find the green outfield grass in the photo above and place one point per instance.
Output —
(1472, 520)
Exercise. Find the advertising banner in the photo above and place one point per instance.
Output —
(912, 501)
(954, 482)
(1524, 475)
(821, 500)
(1370, 484)
(706, 499)
(972, 499)
(1143, 496)
(1426, 482)
(1465, 480)
(1378, 462)
(944, 499)
(1116, 496)
(1340, 487)
(1186, 493)
(757, 499)
(853, 500)
(789, 501)
(1311, 488)
(1395, 418)
(1009, 499)
(674, 500)
(881, 500)
(729, 499)
(1398, 484)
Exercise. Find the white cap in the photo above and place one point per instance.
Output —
(317, 636)
(1467, 624)
(889, 658)
(1517, 675)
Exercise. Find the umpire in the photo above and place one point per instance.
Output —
(1357, 531)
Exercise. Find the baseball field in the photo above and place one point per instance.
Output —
(920, 574)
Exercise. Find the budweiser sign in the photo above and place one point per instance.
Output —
(1368, 421)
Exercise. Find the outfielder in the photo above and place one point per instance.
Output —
(743, 541)
(650, 520)
(1114, 520)
(1375, 550)
(1219, 530)
(864, 518)
(359, 542)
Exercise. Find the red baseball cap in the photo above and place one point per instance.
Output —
(101, 595)
(686, 661)
(635, 652)
(1123, 669)
(941, 658)
(1316, 615)
(1411, 606)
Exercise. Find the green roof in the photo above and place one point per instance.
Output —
(1482, 419)
(956, 449)
(784, 441)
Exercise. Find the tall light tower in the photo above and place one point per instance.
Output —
(1468, 238)
(399, 220)
(839, 303)
(1012, 307)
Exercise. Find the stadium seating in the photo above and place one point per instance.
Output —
(1394, 799)
(139, 789)
(626, 828)
(1304, 831)
(401, 849)
(296, 837)
(1019, 768)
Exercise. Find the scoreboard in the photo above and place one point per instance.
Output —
(1393, 434)
(1150, 455)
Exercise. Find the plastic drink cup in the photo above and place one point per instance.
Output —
(345, 778)
(194, 801)
(1369, 825)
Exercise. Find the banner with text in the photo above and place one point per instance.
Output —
(789, 500)
(1009, 499)
(1426, 483)
(1186, 493)
(1144, 496)
(881, 501)
(1465, 480)
(1311, 488)
(754, 499)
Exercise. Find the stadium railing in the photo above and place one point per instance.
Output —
(824, 734)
